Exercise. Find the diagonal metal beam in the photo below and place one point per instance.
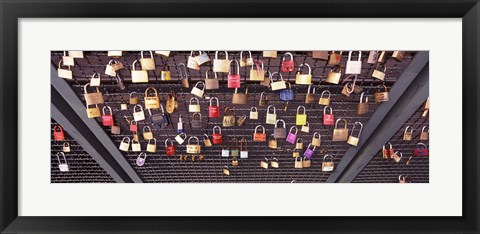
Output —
(77, 107)
(416, 66)
(405, 107)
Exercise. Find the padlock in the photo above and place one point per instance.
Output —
(272, 142)
(67, 60)
(211, 83)
(225, 152)
(298, 162)
(196, 121)
(421, 151)
(408, 135)
(160, 120)
(147, 63)
(95, 81)
(382, 57)
(243, 151)
(214, 111)
(152, 147)
(287, 94)
(354, 67)
(379, 74)
(303, 79)
(263, 100)
(138, 115)
(310, 96)
(124, 144)
(333, 76)
(123, 106)
(198, 92)
(306, 162)
(115, 130)
(136, 147)
(372, 57)
(206, 141)
(93, 112)
(335, 58)
(316, 139)
(305, 128)
(296, 153)
(183, 75)
(234, 161)
(309, 152)
(240, 98)
(147, 134)
(234, 152)
(269, 54)
(226, 171)
(180, 124)
(387, 153)
(259, 74)
(112, 67)
(325, 101)
(349, 88)
(264, 163)
(133, 100)
(340, 134)
(320, 54)
(120, 84)
(353, 140)
(165, 74)
(362, 106)
(233, 80)
(75, 53)
(253, 114)
(202, 58)
(217, 138)
(139, 76)
(194, 105)
(328, 165)
(424, 134)
(63, 167)
(58, 134)
(287, 65)
(115, 53)
(301, 119)
(402, 179)
(381, 96)
(328, 119)
(133, 126)
(107, 119)
(259, 136)
(64, 73)
(180, 138)
(398, 55)
(221, 65)
(163, 53)
(299, 144)
(228, 118)
(279, 84)
(292, 137)
(193, 148)
(267, 81)
(170, 150)
(246, 61)
(66, 147)
(396, 157)
(140, 161)
(241, 120)
(151, 102)
(192, 62)
(280, 132)
(93, 98)
(274, 163)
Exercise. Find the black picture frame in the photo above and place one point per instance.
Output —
(11, 11)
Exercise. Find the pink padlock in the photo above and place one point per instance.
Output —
(233, 80)
(292, 137)
(328, 119)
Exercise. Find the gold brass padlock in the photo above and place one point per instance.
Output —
(408, 135)
(303, 79)
(328, 165)
(382, 57)
(325, 101)
(241, 120)
(225, 170)
(333, 76)
(269, 54)
(398, 55)
(147, 135)
(424, 134)
(296, 153)
(235, 161)
(206, 141)
(64, 73)
(316, 139)
(264, 163)
(274, 163)
(299, 144)
(381, 96)
(379, 74)
(93, 112)
(299, 162)
(272, 142)
(362, 106)
(396, 157)
(66, 147)
(353, 140)
(310, 96)
(139, 76)
(340, 134)
(147, 63)
(133, 100)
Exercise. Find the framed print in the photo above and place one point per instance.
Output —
(151, 115)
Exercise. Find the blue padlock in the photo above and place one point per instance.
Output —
(287, 94)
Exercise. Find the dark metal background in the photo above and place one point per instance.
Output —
(159, 168)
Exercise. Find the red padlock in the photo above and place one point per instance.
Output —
(388, 153)
(58, 135)
(328, 119)
(133, 126)
(214, 111)
(287, 65)
(170, 149)
(107, 119)
(421, 151)
(217, 137)
(234, 79)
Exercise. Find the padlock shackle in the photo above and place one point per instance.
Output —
(257, 62)
(229, 109)
(147, 127)
(360, 131)
(215, 99)
(57, 127)
(350, 86)
(344, 121)
(238, 67)
(382, 85)
(401, 177)
(142, 153)
(423, 129)
(296, 130)
(66, 144)
(328, 156)
(194, 99)
(398, 152)
(307, 123)
(251, 109)
(109, 109)
(325, 110)
(260, 126)
(64, 158)
(134, 108)
(184, 71)
(133, 65)
(195, 114)
(305, 65)
(86, 86)
(200, 82)
(168, 140)
(296, 160)
(325, 91)
(317, 133)
(422, 144)
(406, 129)
(151, 54)
(361, 97)
(155, 141)
(132, 94)
(226, 55)
(304, 110)
(192, 53)
(384, 67)
(281, 77)
(310, 144)
(151, 88)
(288, 53)
(309, 88)
(193, 137)
(60, 63)
(284, 124)
(250, 53)
(299, 139)
(128, 140)
(210, 70)
(274, 109)
(241, 145)
(95, 77)
(359, 55)
(219, 130)
(246, 90)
